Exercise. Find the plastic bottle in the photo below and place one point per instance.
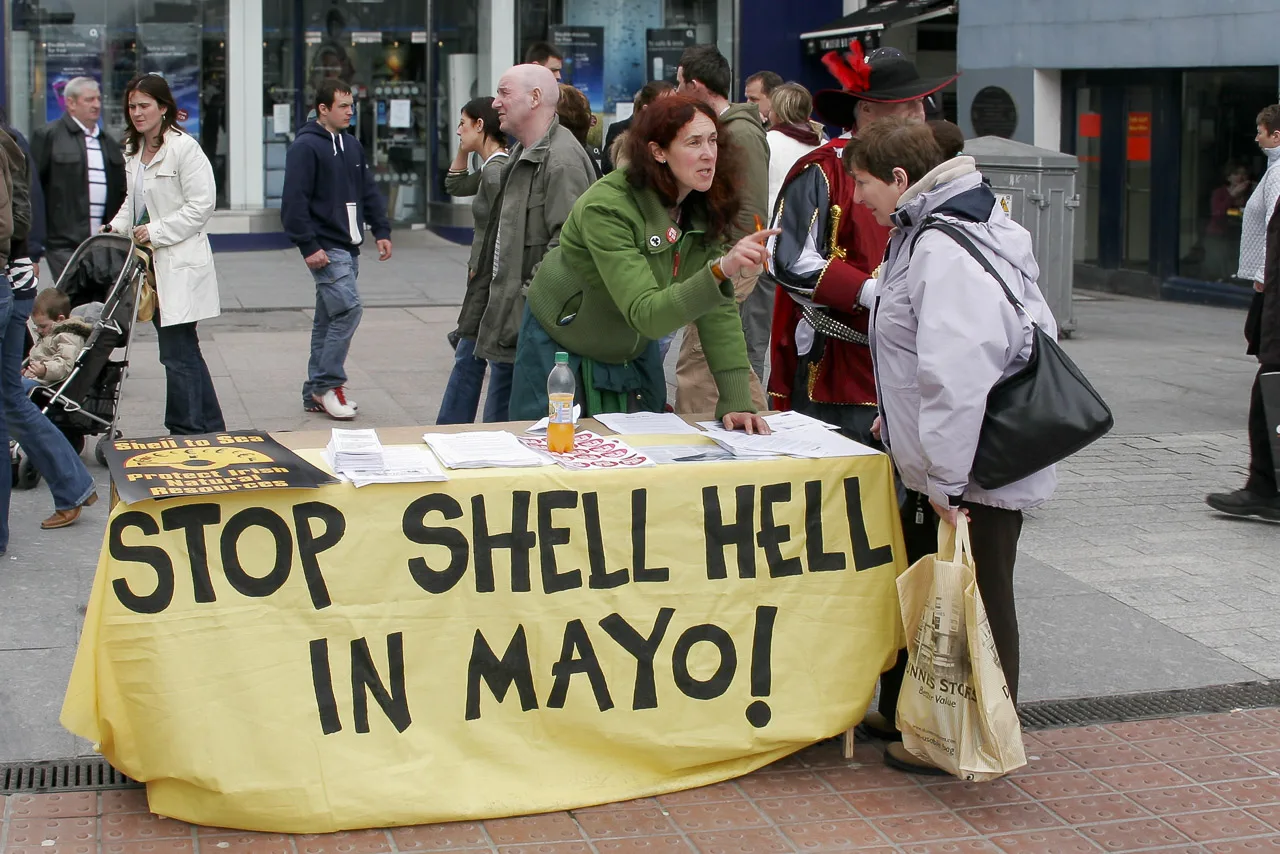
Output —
(560, 391)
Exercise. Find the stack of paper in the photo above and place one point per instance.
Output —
(662, 454)
(642, 423)
(401, 464)
(479, 450)
(813, 442)
(354, 450)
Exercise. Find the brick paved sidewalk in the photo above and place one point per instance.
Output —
(1209, 783)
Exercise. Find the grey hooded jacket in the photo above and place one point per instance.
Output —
(944, 334)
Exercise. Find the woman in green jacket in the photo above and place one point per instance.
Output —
(642, 255)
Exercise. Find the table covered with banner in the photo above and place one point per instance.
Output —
(501, 643)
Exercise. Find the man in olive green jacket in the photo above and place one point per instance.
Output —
(704, 74)
(547, 170)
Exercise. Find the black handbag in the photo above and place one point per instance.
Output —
(1039, 416)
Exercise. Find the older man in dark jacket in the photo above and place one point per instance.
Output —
(547, 171)
(81, 170)
(1260, 496)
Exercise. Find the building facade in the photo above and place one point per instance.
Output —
(244, 72)
(1158, 101)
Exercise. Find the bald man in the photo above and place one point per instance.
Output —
(547, 170)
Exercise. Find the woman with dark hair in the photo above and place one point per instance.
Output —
(642, 254)
(170, 197)
(575, 114)
(479, 134)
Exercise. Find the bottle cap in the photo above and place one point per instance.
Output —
(562, 358)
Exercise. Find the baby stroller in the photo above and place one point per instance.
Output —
(87, 402)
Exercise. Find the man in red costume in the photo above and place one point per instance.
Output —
(829, 247)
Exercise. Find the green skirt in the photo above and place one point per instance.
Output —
(635, 386)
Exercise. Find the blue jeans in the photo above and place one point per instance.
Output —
(7, 366)
(44, 444)
(497, 402)
(462, 394)
(338, 313)
(191, 402)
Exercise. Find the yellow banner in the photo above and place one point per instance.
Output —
(499, 644)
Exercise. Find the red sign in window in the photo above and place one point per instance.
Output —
(1139, 144)
(1091, 125)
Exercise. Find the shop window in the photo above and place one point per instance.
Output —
(1221, 164)
(54, 41)
(614, 47)
(1088, 149)
(383, 50)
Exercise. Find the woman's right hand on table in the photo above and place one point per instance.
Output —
(748, 254)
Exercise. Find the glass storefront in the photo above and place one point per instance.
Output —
(53, 41)
(412, 65)
(1167, 162)
(1221, 164)
(382, 49)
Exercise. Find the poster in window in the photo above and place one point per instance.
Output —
(70, 51)
(663, 48)
(173, 52)
(583, 49)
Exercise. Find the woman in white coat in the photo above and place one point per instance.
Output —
(169, 202)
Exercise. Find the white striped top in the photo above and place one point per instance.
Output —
(97, 176)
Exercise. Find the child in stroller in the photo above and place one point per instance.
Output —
(59, 338)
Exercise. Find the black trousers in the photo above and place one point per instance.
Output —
(1262, 467)
(994, 534)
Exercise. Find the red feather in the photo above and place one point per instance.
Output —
(851, 70)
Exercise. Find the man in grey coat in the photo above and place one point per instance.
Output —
(547, 170)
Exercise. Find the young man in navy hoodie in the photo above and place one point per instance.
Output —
(329, 195)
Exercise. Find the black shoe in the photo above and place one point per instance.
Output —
(878, 726)
(1245, 503)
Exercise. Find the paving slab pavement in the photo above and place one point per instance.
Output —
(1206, 784)
(1126, 581)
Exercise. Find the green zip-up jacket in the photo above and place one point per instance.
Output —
(614, 284)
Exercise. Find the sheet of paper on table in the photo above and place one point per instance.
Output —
(664, 454)
(541, 426)
(811, 442)
(778, 422)
(354, 450)
(479, 450)
(645, 423)
(591, 451)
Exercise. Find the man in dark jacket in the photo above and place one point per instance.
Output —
(81, 170)
(329, 194)
(1260, 496)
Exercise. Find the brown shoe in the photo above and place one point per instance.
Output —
(63, 518)
(878, 726)
(897, 756)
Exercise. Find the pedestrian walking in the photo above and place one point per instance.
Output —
(704, 74)
(329, 195)
(170, 199)
(643, 253)
(547, 173)
(1260, 496)
(1262, 203)
(649, 92)
(69, 481)
(942, 336)
(81, 172)
(479, 134)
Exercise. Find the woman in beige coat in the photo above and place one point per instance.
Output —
(169, 202)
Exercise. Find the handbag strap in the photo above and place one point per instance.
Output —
(963, 239)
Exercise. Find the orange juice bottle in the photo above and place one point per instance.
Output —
(560, 391)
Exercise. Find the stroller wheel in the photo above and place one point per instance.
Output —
(100, 448)
(25, 474)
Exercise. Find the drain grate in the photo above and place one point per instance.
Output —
(68, 775)
(94, 773)
(1049, 714)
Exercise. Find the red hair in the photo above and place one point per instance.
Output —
(661, 122)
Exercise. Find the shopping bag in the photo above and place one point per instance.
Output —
(954, 709)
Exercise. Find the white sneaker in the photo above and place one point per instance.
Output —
(342, 395)
(335, 405)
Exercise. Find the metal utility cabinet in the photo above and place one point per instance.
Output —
(1038, 189)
